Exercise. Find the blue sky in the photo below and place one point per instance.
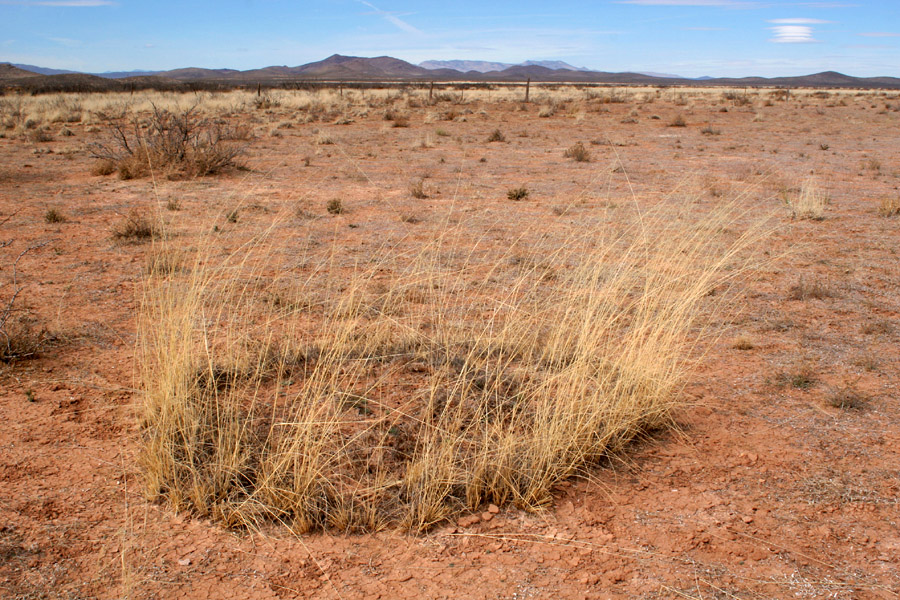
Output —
(684, 37)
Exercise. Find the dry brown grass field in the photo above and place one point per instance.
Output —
(609, 343)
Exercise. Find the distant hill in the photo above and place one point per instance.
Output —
(42, 70)
(482, 66)
(387, 69)
(464, 66)
(107, 74)
(8, 71)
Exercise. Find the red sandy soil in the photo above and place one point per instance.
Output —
(765, 491)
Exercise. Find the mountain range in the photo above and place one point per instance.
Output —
(483, 66)
(338, 68)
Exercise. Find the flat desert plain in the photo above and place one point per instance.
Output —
(404, 265)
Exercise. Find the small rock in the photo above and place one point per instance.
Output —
(184, 561)
(486, 516)
(493, 509)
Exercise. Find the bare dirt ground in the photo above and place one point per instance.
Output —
(772, 488)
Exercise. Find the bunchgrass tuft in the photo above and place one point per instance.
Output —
(427, 382)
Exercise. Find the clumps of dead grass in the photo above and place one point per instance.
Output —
(136, 227)
(809, 203)
(405, 392)
(578, 153)
(889, 207)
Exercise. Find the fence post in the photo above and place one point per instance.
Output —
(527, 88)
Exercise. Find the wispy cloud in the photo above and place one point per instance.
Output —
(394, 19)
(704, 28)
(67, 3)
(880, 34)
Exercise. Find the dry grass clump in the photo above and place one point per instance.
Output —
(496, 136)
(179, 143)
(20, 338)
(54, 216)
(417, 189)
(578, 153)
(519, 193)
(807, 290)
(424, 384)
(809, 203)
(136, 227)
(848, 397)
(890, 206)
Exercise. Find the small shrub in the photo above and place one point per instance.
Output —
(324, 139)
(743, 343)
(232, 216)
(806, 290)
(890, 206)
(417, 189)
(848, 398)
(180, 142)
(710, 130)
(881, 326)
(802, 379)
(104, 166)
(265, 102)
(335, 206)
(136, 227)
(173, 204)
(519, 193)
(578, 153)
(678, 121)
(824, 147)
(53, 215)
(40, 136)
(496, 136)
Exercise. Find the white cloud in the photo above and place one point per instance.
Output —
(880, 34)
(393, 19)
(792, 34)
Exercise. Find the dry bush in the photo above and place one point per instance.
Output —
(806, 290)
(417, 189)
(519, 193)
(496, 136)
(19, 338)
(889, 207)
(178, 142)
(578, 153)
(54, 215)
(809, 203)
(136, 227)
(407, 391)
